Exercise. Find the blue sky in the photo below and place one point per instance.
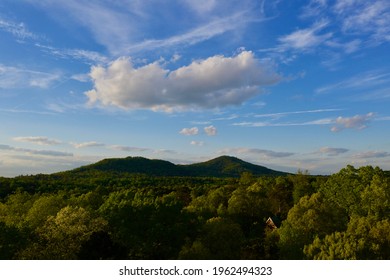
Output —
(286, 84)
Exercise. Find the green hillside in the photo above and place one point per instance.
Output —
(224, 166)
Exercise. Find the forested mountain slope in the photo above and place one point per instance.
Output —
(224, 166)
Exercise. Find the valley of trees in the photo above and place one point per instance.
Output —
(106, 214)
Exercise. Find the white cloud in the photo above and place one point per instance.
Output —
(129, 149)
(314, 8)
(324, 121)
(36, 152)
(111, 26)
(121, 26)
(363, 80)
(18, 30)
(189, 131)
(40, 140)
(215, 82)
(87, 145)
(78, 54)
(267, 154)
(366, 17)
(197, 143)
(81, 77)
(13, 77)
(283, 114)
(201, 6)
(347, 47)
(355, 122)
(332, 151)
(305, 39)
(210, 130)
(372, 154)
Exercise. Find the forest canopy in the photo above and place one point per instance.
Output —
(103, 214)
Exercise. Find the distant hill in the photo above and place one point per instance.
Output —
(224, 166)
(227, 166)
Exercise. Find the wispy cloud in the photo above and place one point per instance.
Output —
(283, 114)
(18, 30)
(40, 140)
(267, 154)
(372, 154)
(121, 26)
(324, 121)
(199, 34)
(36, 152)
(87, 56)
(332, 151)
(227, 118)
(89, 144)
(129, 148)
(358, 122)
(366, 17)
(306, 39)
(13, 77)
(362, 81)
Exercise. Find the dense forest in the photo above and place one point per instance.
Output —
(104, 211)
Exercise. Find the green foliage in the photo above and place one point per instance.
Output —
(345, 187)
(102, 213)
(12, 240)
(365, 239)
(301, 185)
(220, 238)
(62, 236)
(311, 217)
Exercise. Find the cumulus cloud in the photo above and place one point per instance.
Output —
(40, 140)
(356, 122)
(210, 130)
(215, 82)
(189, 131)
(332, 151)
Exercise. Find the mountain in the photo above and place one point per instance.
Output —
(227, 166)
(224, 166)
(139, 165)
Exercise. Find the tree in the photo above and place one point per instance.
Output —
(311, 217)
(301, 185)
(375, 198)
(248, 207)
(12, 240)
(62, 236)
(220, 238)
(345, 187)
(365, 238)
(42, 208)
